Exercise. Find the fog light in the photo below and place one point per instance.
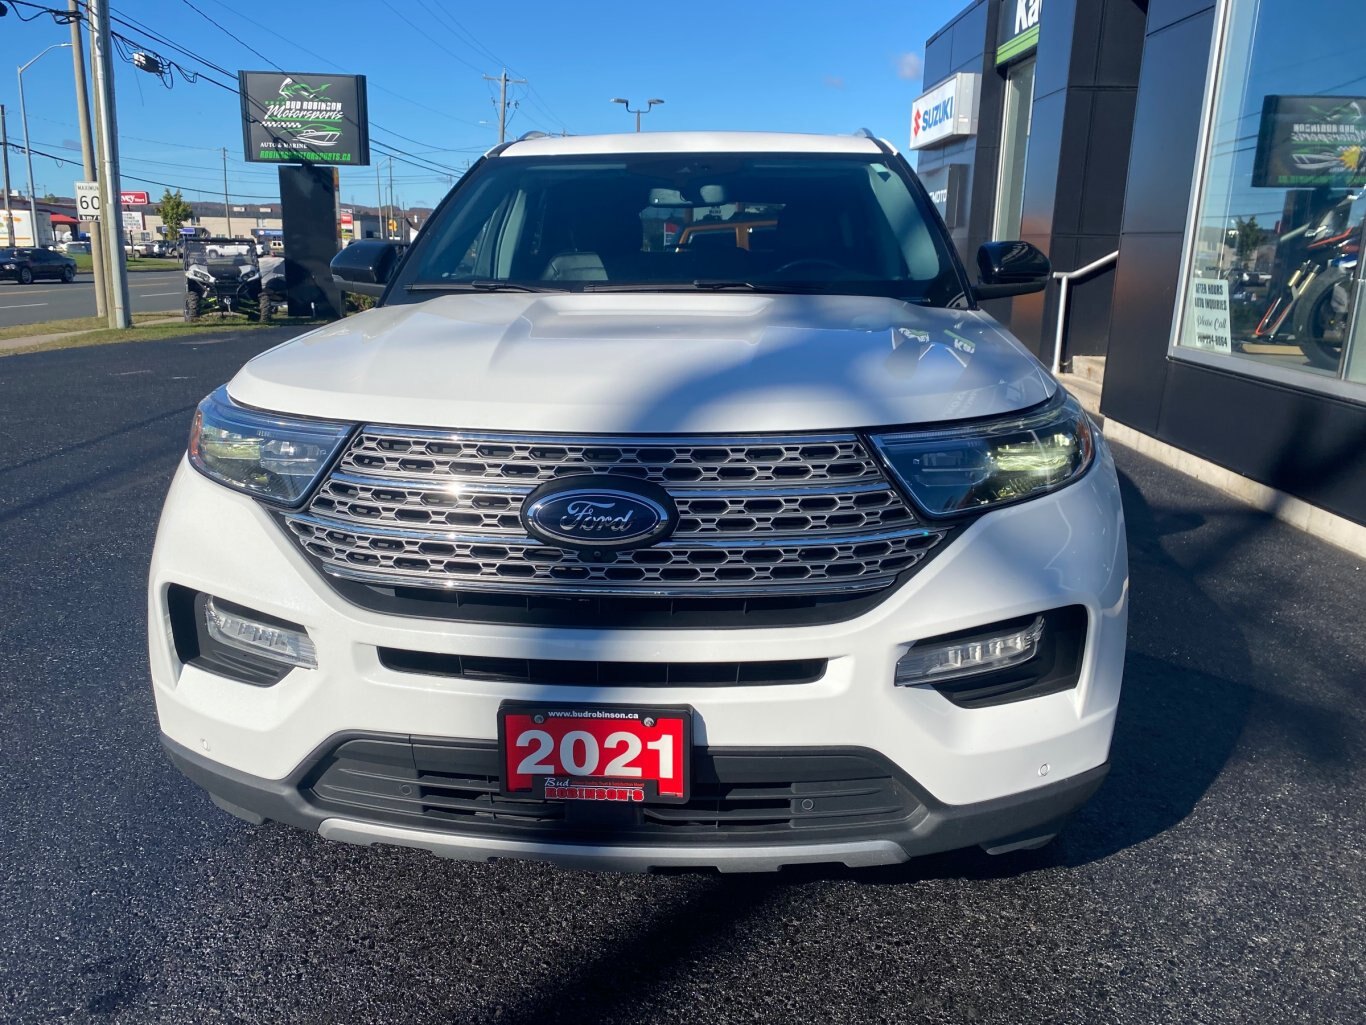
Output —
(968, 657)
(279, 643)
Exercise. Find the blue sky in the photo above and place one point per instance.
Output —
(805, 65)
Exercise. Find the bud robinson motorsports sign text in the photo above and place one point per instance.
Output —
(298, 118)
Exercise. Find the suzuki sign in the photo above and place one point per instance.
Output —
(948, 111)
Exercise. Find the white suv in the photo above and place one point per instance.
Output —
(591, 546)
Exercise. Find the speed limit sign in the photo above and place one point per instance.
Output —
(87, 200)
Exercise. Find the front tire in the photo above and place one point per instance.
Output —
(192, 306)
(68, 275)
(25, 276)
(1319, 329)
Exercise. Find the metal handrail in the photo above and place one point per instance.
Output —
(1065, 279)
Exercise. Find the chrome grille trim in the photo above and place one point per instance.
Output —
(791, 515)
(398, 557)
(494, 508)
(793, 459)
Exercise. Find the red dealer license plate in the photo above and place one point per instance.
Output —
(605, 753)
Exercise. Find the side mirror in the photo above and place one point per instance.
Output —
(365, 266)
(1010, 268)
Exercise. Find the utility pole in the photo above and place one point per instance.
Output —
(4, 145)
(108, 177)
(503, 83)
(391, 193)
(379, 200)
(227, 210)
(87, 154)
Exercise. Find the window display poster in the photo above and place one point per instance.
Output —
(1207, 316)
(1311, 140)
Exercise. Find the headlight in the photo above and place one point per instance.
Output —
(249, 272)
(264, 454)
(963, 469)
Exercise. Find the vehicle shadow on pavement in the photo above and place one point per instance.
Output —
(1184, 705)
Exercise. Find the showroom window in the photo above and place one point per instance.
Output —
(1019, 107)
(1273, 285)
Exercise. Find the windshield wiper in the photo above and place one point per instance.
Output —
(480, 285)
(722, 284)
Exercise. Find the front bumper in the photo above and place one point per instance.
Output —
(1000, 824)
(991, 775)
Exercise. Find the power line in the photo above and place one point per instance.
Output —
(385, 148)
(231, 35)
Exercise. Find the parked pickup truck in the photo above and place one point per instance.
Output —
(621, 557)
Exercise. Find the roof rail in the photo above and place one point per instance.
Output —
(864, 133)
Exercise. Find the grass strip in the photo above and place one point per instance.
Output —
(156, 332)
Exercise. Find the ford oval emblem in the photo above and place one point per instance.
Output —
(599, 512)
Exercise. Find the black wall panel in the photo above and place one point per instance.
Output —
(1140, 327)
(1308, 445)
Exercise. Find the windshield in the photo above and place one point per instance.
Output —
(221, 252)
(683, 221)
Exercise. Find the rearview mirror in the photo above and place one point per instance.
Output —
(366, 265)
(1010, 268)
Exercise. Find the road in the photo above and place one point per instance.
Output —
(149, 292)
(1217, 878)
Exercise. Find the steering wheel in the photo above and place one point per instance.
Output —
(811, 261)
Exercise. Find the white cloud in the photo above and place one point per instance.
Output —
(909, 65)
(833, 81)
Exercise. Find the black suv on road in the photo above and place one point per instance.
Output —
(27, 265)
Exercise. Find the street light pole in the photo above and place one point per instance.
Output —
(643, 110)
(28, 153)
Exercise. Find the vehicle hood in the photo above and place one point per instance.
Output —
(649, 363)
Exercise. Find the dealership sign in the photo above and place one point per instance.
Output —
(948, 111)
(1307, 141)
(1017, 32)
(304, 119)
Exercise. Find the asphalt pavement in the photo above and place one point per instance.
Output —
(1217, 876)
(148, 292)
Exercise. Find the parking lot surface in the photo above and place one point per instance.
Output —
(1217, 877)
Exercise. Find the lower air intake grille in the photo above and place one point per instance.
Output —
(745, 795)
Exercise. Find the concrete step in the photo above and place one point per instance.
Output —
(1092, 368)
(1085, 391)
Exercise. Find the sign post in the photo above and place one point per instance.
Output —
(87, 201)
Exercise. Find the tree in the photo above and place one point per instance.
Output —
(174, 211)
(1247, 236)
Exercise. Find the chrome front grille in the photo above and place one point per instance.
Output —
(760, 515)
(386, 452)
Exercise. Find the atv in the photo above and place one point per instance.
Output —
(223, 275)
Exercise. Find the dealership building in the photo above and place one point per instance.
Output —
(1201, 165)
